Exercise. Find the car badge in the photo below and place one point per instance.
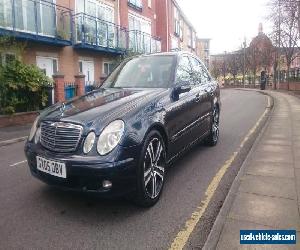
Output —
(62, 109)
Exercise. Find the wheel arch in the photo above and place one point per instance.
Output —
(160, 128)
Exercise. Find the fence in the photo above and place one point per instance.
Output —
(94, 31)
(40, 18)
(250, 82)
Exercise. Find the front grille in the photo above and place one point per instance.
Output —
(60, 136)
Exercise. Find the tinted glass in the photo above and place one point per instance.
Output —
(200, 73)
(184, 71)
(143, 72)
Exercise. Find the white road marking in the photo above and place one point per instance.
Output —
(17, 163)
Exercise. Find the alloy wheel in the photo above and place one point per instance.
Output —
(154, 168)
(215, 125)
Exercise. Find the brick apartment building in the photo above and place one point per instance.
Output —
(174, 29)
(203, 50)
(73, 36)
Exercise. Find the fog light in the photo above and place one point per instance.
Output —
(106, 184)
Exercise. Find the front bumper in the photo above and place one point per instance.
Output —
(87, 173)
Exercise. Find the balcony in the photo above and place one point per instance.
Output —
(141, 42)
(96, 34)
(36, 20)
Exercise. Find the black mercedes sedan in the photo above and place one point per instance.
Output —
(120, 138)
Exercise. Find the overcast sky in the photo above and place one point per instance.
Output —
(226, 22)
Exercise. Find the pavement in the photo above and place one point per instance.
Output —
(13, 134)
(36, 216)
(266, 192)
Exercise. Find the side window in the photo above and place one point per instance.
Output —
(200, 73)
(184, 70)
(206, 75)
(197, 71)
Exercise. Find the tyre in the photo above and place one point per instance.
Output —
(151, 170)
(213, 136)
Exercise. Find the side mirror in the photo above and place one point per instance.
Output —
(180, 90)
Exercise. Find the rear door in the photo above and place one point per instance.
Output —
(202, 88)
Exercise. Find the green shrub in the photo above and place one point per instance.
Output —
(22, 88)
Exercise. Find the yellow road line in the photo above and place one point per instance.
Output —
(183, 236)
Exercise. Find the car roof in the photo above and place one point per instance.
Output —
(171, 53)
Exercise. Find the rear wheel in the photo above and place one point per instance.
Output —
(213, 136)
(151, 170)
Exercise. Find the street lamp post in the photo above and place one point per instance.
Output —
(279, 43)
(244, 61)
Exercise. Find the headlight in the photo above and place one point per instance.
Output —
(33, 129)
(110, 137)
(37, 135)
(89, 142)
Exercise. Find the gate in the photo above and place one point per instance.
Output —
(70, 90)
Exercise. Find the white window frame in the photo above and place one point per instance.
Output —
(53, 59)
(99, 4)
(103, 66)
(142, 20)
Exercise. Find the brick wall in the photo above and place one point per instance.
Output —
(163, 24)
(17, 119)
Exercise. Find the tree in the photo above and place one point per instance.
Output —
(216, 68)
(285, 18)
(235, 63)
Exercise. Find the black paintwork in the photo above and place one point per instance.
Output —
(182, 114)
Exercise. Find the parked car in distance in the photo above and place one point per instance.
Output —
(120, 138)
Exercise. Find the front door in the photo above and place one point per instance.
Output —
(49, 66)
(183, 111)
(89, 71)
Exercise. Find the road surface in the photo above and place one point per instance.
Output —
(36, 216)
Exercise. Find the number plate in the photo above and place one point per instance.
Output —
(51, 167)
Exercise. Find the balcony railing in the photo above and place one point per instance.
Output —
(143, 43)
(98, 34)
(36, 20)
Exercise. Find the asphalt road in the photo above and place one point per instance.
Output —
(35, 216)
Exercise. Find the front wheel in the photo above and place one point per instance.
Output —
(151, 170)
(213, 136)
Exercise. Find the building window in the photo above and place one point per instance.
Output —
(190, 38)
(96, 9)
(181, 30)
(137, 4)
(48, 65)
(108, 67)
(139, 23)
(176, 22)
(194, 40)
(7, 57)
(139, 33)
(174, 43)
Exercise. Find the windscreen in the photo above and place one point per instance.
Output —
(143, 72)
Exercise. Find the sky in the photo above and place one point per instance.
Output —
(226, 22)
